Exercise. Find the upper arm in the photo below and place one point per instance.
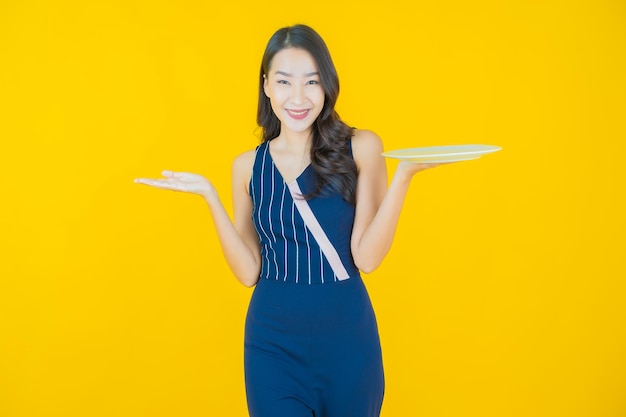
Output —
(242, 203)
(371, 182)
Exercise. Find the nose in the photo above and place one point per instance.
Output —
(297, 94)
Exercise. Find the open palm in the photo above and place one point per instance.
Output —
(180, 181)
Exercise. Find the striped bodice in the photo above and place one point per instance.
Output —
(288, 249)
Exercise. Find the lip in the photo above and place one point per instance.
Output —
(298, 114)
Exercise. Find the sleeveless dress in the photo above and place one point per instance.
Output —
(311, 345)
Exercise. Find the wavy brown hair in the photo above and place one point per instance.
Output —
(331, 157)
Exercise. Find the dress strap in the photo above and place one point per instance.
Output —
(318, 233)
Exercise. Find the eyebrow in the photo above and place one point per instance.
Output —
(286, 74)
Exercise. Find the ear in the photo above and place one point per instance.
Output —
(265, 85)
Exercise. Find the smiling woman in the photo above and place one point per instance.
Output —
(294, 87)
(311, 210)
(295, 95)
(300, 52)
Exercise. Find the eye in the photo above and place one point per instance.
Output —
(283, 82)
(312, 82)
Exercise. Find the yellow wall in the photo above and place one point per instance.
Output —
(504, 292)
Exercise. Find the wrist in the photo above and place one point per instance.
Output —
(209, 195)
(404, 173)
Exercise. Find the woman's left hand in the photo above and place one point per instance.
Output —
(408, 169)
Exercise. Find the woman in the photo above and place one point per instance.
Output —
(311, 210)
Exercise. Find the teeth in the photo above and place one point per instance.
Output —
(298, 113)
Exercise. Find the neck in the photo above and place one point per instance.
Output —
(296, 141)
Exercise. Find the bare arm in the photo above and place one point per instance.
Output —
(377, 207)
(245, 267)
(238, 238)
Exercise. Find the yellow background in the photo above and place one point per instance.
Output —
(503, 294)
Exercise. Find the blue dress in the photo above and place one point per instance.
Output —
(311, 340)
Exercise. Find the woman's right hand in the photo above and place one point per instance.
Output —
(181, 181)
(239, 240)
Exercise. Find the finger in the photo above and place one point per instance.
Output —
(146, 181)
(158, 183)
(176, 175)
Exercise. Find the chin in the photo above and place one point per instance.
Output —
(298, 129)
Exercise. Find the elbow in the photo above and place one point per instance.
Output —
(248, 282)
(369, 260)
(368, 269)
(367, 266)
(247, 278)
(367, 257)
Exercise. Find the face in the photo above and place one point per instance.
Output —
(294, 89)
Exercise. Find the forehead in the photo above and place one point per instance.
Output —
(293, 61)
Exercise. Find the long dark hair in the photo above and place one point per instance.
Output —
(330, 147)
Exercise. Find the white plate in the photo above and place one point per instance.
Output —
(434, 154)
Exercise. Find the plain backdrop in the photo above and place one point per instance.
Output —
(503, 295)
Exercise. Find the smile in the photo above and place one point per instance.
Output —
(298, 114)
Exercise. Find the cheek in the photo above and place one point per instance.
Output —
(319, 97)
(277, 94)
(276, 100)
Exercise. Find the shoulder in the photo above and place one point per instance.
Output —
(244, 161)
(242, 168)
(366, 146)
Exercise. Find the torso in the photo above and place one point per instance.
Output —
(289, 250)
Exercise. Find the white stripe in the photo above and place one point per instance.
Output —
(282, 229)
(293, 218)
(269, 218)
(318, 233)
(321, 266)
(308, 252)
